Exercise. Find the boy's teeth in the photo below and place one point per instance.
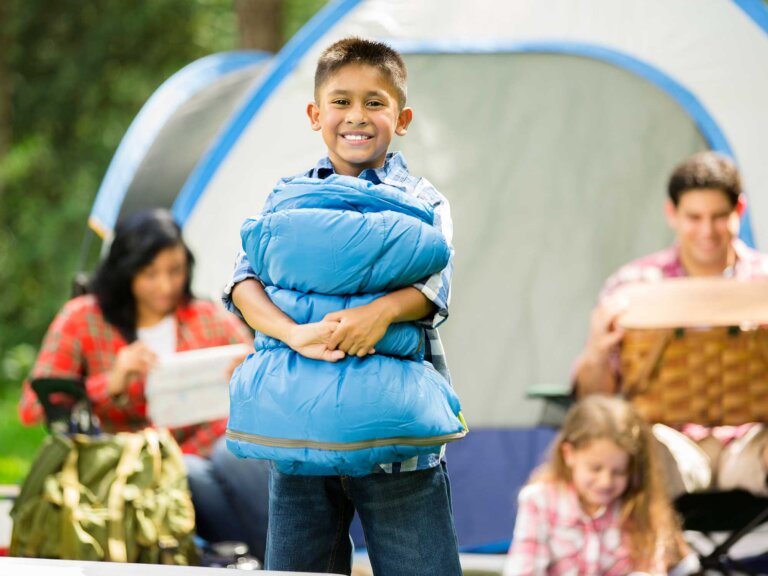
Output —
(355, 137)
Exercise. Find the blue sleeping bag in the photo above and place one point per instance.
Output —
(327, 245)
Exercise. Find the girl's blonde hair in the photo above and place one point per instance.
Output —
(647, 517)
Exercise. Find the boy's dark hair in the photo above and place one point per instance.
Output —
(137, 240)
(355, 50)
(705, 170)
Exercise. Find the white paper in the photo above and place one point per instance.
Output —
(192, 387)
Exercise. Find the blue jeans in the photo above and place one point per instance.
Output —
(406, 519)
(230, 496)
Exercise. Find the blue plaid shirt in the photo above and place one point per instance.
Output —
(437, 288)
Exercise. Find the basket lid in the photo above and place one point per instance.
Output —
(694, 303)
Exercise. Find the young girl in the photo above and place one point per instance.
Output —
(598, 506)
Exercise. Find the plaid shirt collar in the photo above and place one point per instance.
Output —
(672, 265)
(572, 514)
(393, 173)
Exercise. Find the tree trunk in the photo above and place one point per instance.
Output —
(260, 23)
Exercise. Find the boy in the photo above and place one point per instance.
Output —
(360, 92)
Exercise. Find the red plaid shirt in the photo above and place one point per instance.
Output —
(750, 264)
(81, 343)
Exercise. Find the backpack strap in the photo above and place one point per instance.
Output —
(70, 520)
(153, 447)
(116, 501)
(166, 541)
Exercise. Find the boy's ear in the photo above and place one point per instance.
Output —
(313, 111)
(403, 120)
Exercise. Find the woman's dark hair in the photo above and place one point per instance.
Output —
(137, 240)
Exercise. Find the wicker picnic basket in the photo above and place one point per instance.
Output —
(696, 350)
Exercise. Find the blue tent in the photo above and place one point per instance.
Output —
(550, 125)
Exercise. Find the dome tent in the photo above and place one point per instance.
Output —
(171, 133)
(551, 126)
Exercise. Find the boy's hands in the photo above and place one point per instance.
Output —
(310, 340)
(314, 340)
(354, 331)
(359, 329)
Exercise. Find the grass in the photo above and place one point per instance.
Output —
(18, 443)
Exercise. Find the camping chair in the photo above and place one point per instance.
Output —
(66, 406)
(696, 351)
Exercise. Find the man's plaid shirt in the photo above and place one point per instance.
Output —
(80, 343)
(436, 287)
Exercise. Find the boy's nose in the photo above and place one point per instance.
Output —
(356, 116)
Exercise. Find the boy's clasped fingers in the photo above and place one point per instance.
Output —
(312, 340)
(354, 335)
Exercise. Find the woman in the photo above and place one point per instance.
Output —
(140, 309)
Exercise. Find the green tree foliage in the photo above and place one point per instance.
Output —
(73, 75)
(78, 73)
(297, 12)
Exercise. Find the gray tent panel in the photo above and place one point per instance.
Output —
(173, 130)
(556, 172)
(183, 140)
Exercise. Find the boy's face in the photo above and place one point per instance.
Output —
(357, 113)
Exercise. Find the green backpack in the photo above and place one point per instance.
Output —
(122, 498)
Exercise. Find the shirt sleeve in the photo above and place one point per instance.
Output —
(60, 356)
(529, 553)
(63, 355)
(242, 271)
(437, 287)
(200, 438)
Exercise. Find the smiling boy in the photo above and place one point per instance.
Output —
(404, 507)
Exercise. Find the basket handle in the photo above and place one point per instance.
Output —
(652, 361)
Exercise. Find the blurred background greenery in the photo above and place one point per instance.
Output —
(73, 75)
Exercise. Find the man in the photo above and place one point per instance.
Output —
(703, 209)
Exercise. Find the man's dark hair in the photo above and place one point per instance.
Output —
(355, 50)
(137, 240)
(705, 170)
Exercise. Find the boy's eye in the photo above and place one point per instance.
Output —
(340, 101)
(375, 104)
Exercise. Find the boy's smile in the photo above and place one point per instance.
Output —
(357, 113)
